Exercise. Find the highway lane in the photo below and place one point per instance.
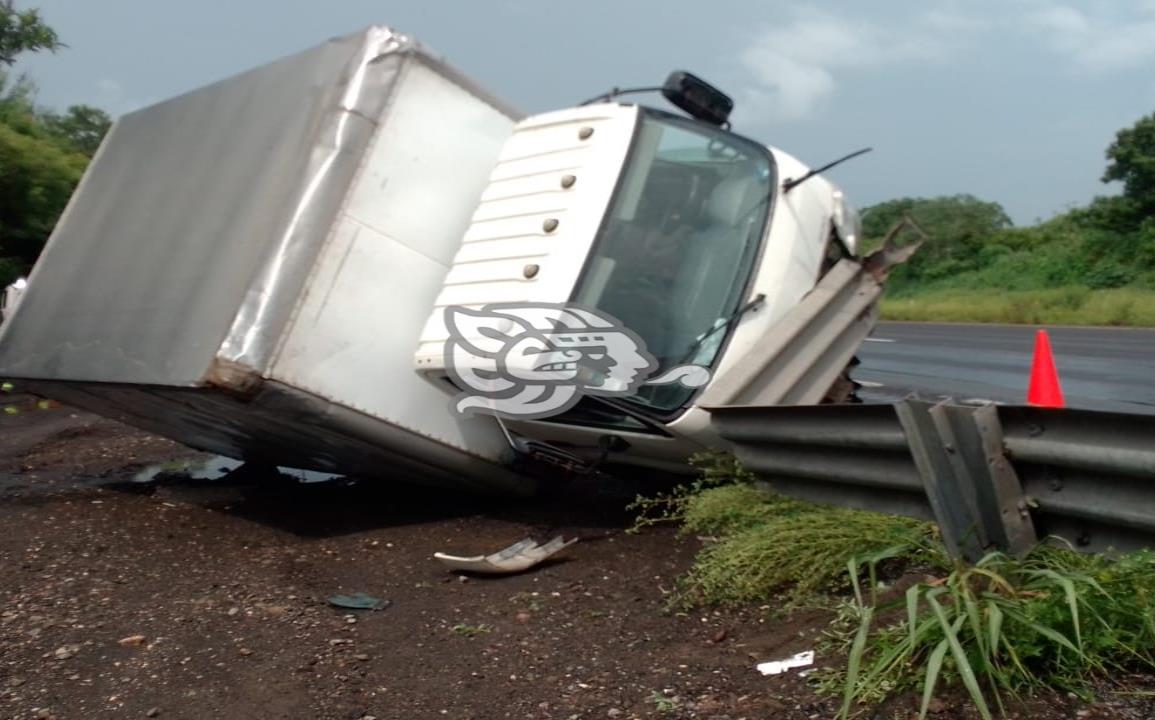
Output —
(1099, 368)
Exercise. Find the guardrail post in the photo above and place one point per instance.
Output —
(952, 503)
(971, 485)
(981, 463)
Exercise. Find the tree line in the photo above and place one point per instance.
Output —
(1108, 243)
(43, 153)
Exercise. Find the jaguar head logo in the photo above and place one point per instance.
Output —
(531, 361)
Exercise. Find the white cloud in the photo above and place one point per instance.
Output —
(798, 65)
(112, 97)
(109, 88)
(1104, 38)
(795, 66)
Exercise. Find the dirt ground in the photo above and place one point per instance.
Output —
(189, 599)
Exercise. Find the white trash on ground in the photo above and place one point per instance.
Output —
(515, 558)
(776, 667)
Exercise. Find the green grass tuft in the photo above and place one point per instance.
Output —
(466, 630)
(1003, 626)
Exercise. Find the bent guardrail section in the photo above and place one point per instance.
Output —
(990, 476)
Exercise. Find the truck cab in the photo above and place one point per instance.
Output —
(685, 232)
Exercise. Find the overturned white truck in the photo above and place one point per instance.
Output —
(268, 268)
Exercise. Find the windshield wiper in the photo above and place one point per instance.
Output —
(630, 406)
(727, 322)
(625, 408)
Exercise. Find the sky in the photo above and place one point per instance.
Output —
(1013, 101)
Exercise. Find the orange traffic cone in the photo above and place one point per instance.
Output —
(1044, 390)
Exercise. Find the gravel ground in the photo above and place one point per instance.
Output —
(188, 599)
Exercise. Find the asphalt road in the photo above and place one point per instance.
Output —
(1099, 368)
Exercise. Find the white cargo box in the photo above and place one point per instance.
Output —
(247, 268)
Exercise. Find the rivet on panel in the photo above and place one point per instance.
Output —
(549, 225)
(585, 133)
(567, 181)
(530, 271)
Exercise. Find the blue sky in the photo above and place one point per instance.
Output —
(1010, 100)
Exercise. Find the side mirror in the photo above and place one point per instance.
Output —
(697, 97)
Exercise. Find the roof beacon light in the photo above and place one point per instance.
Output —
(697, 97)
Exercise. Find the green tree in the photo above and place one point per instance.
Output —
(40, 170)
(81, 126)
(1131, 161)
(959, 226)
(39, 176)
(23, 31)
(42, 154)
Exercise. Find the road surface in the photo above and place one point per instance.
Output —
(1099, 368)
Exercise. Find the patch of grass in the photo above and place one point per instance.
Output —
(766, 546)
(1072, 305)
(772, 546)
(664, 703)
(1002, 626)
(471, 630)
(732, 509)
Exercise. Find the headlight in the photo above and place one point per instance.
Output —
(846, 222)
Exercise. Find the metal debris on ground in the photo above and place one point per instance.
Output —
(513, 559)
(776, 667)
(359, 601)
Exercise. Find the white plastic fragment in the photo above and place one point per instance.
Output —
(515, 558)
(776, 667)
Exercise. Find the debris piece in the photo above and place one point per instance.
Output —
(152, 712)
(516, 558)
(775, 667)
(359, 601)
(131, 641)
(66, 651)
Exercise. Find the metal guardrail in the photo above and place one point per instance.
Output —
(990, 476)
(804, 353)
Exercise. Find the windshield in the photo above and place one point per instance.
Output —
(674, 255)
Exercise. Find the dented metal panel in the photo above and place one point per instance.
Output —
(360, 314)
(809, 348)
(196, 217)
(246, 268)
